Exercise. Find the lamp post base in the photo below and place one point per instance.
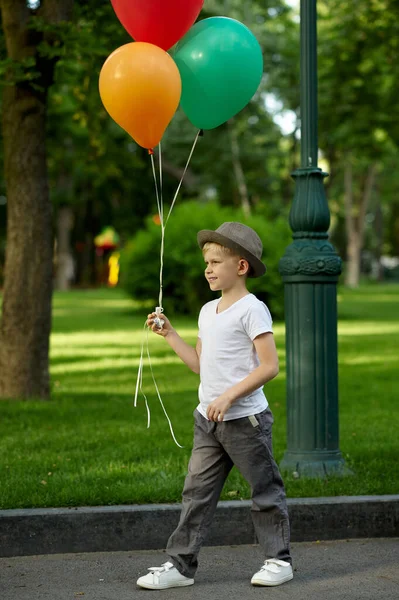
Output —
(314, 465)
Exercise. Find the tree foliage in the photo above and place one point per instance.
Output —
(94, 168)
(184, 287)
(359, 114)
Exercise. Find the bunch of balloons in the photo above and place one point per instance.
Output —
(214, 70)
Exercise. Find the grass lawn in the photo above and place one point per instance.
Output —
(90, 446)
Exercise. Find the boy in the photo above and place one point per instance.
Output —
(235, 356)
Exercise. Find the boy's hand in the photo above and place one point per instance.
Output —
(166, 327)
(218, 408)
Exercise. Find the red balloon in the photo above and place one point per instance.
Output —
(159, 22)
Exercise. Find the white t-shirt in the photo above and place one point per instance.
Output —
(228, 353)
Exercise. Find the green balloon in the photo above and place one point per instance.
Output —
(221, 65)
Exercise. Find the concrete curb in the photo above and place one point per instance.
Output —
(147, 527)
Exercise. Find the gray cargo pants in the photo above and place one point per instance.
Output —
(217, 447)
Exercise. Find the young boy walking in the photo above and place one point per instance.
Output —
(235, 356)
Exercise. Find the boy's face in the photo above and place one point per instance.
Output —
(223, 272)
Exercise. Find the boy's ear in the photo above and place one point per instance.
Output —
(244, 267)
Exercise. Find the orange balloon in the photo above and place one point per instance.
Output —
(140, 87)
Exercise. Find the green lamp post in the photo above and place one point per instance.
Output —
(310, 270)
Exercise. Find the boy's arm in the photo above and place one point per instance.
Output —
(187, 353)
(267, 370)
(198, 347)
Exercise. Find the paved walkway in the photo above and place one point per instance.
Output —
(341, 570)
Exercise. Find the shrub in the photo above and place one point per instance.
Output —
(184, 287)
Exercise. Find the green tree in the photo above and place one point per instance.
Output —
(359, 114)
(102, 175)
(94, 169)
(33, 33)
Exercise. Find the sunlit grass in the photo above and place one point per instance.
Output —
(367, 328)
(89, 445)
(105, 364)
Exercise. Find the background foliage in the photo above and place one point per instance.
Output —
(184, 287)
(106, 178)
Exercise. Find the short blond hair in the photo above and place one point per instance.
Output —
(223, 250)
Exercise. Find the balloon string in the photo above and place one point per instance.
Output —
(139, 386)
(139, 383)
(160, 179)
(200, 133)
(160, 399)
(160, 299)
(160, 208)
(159, 197)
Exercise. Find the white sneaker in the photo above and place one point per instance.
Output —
(273, 572)
(166, 576)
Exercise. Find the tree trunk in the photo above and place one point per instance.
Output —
(26, 318)
(355, 226)
(352, 275)
(65, 265)
(379, 232)
(350, 272)
(238, 171)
